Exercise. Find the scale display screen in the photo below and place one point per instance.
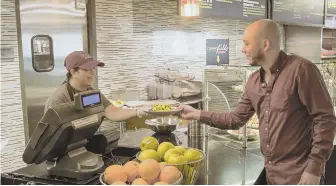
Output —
(91, 100)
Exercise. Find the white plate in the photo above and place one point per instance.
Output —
(135, 103)
(240, 136)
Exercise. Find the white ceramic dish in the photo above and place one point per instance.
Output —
(253, 134)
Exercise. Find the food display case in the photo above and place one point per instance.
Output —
(328, 71)
(328, 51)
(329, 31)
(224, 86)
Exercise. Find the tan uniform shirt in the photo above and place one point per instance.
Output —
(296, 118)
(61, 95)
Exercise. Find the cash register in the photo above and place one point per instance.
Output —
(66, 136)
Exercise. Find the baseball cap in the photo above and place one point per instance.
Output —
(81, 60)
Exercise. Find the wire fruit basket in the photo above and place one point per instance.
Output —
(189, 170)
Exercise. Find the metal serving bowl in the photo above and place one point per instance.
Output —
(164, 125)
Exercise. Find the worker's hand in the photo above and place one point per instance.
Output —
(190, 113)
(141, 113)
(309, 179)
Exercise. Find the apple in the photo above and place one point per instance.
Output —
(171, 152)
(164, 147)
(149, 154)
(149, 143)
(176, 159)
(181, 149)
(193, 155)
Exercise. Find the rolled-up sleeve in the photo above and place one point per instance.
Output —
(314, 95)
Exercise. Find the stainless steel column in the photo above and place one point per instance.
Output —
(195, 128)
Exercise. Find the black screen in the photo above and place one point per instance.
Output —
(298, 11)
(234, 9)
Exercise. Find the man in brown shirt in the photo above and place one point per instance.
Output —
(296, 117)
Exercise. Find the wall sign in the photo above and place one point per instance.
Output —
(235, 9)
(217, 51)
(298, 12)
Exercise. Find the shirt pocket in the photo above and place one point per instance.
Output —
(282, 100)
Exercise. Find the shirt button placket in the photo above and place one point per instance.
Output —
(266, 124)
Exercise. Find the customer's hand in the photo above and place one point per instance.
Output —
(309, 179)
(189, 112)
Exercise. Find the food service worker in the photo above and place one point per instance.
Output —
(297, 123)
(81, 74)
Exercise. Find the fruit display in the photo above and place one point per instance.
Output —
(187, 160)
(157, 164)
(167, 152)
(148, 172)
(161, 107)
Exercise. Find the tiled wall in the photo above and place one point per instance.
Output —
(12, 130)
(137, 36)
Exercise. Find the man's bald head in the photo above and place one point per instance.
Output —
(261, 41)
(266, 29)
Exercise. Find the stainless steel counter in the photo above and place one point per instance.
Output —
(225, 162)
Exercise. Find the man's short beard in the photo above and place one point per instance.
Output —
(258, 58)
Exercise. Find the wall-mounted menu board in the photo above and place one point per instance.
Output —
(298, 11)
(234, 9)
(331, 7)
